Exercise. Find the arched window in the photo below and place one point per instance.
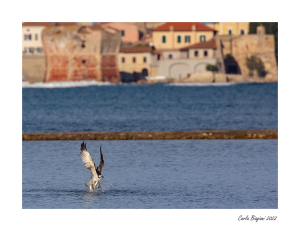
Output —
(242, 32)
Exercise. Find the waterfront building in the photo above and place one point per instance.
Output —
(77, 53)
(179, 63)
(175, 35)
(31, 37)
(129, 32)
(135, 63)
(230, 28)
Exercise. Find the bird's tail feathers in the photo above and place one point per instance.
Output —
(88, 184)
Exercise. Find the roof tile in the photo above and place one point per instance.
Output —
(202, 45)
(183, 26)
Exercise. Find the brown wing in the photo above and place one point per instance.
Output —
(99, 168)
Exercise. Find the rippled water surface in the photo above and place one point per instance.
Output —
(158, 107)
(173, 174)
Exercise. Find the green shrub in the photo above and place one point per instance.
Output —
(212, 68)
(255, 63)
(228, 56)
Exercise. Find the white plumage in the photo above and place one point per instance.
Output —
(90, 165)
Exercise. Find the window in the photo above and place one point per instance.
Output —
(123, 60)
(83, 61)
(187, 39)
(31, 50)
(27, 37)
(196, 53)
(242, 32)
(164, 39)
(229, 31)
(133, 59)
(202, 38)
(158, 56)
(178, 39)
(170, 56)
(82, 44)
(123, 33)
(39, 50)
(145, 59)
(36, 36)
(205, 53)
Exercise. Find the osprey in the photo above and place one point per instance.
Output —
(89, 164)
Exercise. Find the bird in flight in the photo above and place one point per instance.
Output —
(90, 165)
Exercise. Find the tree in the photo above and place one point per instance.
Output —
(212, 68)
(228, 56)
(255, 63)
(270, 28)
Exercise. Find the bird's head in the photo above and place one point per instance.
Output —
(100, 177)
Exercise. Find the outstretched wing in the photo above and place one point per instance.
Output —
(99, 169)
(87, 160)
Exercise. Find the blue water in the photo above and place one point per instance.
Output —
(158, 107)
(185, 174)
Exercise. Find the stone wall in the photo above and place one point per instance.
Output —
(33, 68)
(259, 45)
(180, 68)
(75, 53)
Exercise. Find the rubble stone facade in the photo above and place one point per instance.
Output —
(75, 53)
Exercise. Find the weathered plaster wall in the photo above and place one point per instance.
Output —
(33, 68)
(180, 68)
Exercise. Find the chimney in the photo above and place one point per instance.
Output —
(171, 28)
(193, 27)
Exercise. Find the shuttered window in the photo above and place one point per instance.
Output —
(164, 39)
(187, 39)
(178, 38)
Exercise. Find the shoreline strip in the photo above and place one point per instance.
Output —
(154, 135)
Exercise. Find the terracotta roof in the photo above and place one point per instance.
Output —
(146, 38)
(183, 26)
(160, 51)
(135, 49)
(202, 45)
(37, 23)
(66, 23)
(49, 23)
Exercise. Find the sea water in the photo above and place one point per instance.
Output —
(173, 174)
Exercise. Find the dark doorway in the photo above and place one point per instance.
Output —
(231, 65)
(144, 73)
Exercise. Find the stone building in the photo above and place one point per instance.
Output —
(241, 47)
(179, 63)
(76, 53)
(33, 57)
